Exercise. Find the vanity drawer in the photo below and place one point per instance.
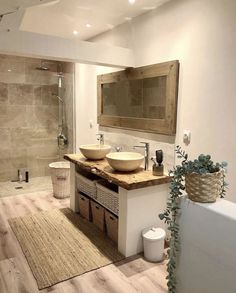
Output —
(112, 226)
(98, 215)
(84, 206)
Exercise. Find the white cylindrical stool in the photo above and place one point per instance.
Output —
(153, 243)
(60, 174)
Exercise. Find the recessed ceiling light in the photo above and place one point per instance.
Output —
(128, 18)
(75, 32)
(9, 70)
(88, 25)
(132, 1)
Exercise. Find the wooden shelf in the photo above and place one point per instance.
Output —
(132, 180)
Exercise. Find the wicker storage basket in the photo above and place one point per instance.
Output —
(107, 197)
(203, 187)
(86, 185)
(98, 215)
(112, 226)
(84, 206)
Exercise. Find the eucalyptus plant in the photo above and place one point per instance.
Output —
(202, 165)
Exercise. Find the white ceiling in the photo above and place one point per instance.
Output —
(62, 17)
(8, 6)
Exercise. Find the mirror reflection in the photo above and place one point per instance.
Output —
(139, 98)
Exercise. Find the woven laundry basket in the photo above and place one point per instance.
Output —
(203, 187)
(60, 174)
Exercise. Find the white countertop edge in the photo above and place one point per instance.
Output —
(222, 207)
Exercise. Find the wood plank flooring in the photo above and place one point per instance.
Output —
(133, 275)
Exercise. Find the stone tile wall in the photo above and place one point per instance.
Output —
(29, 115)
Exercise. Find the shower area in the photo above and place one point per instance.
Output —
(36, 121)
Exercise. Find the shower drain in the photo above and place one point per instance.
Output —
(19, 187)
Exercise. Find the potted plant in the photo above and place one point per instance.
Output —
(203, 181)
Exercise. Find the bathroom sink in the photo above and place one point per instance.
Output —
(125, 161)
(95, 151)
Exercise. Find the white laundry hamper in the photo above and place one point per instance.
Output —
(153, 243)
(60, 174)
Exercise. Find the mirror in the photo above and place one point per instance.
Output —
(142, 98)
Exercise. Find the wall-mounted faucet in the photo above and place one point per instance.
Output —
(146, 153)
(100, 138)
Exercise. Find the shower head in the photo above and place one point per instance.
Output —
(43, 67)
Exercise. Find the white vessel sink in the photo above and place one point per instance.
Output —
(125, 161)
(95, 151)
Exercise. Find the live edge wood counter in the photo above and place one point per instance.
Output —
(129, 181)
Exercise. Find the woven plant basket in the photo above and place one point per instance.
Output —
(203, 187)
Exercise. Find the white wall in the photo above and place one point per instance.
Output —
(201, 35)
(86, 100)
(207, 261)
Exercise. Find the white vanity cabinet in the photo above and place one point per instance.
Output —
(141, 197)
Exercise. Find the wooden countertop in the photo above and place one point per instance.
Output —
(132, 180)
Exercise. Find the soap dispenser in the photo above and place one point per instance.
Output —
(158, 168)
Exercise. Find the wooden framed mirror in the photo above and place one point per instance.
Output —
(142, 99)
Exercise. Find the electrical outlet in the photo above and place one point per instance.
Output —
(187, 137)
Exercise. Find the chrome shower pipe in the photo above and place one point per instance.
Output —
(59, 98)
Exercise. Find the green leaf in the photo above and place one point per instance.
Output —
(161, 216)
(224, 164)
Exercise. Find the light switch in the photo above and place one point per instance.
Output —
(90, 123)
(187, 137)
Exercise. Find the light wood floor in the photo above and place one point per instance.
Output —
(134, 275)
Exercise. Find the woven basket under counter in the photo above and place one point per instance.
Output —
(107, 197)
(86, 185)
(203, 187)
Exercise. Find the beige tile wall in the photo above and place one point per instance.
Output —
(29, 115)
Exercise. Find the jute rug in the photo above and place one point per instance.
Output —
(59, 245)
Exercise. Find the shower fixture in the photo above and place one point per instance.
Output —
(60, 75)
(59, 98)
(62, 140)
(43, 67)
